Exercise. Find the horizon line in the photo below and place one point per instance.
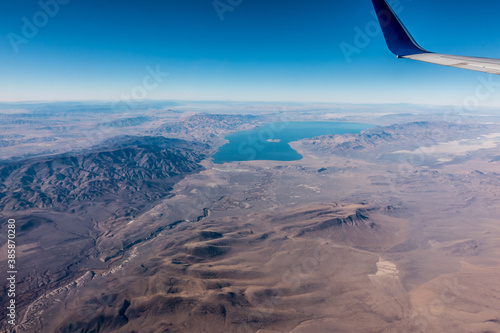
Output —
(223, 101)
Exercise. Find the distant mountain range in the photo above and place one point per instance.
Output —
(412, 134)
(207, 127)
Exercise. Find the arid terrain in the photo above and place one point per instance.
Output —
(124, 224)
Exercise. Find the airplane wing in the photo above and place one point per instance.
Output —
(402, 44)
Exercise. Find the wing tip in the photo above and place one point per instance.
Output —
(398, 39)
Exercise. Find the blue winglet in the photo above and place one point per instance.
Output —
(398, 39)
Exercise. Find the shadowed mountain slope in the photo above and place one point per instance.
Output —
(135, 168)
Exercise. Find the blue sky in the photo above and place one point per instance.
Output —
(262, 50)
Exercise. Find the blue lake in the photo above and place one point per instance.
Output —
(270, 142)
